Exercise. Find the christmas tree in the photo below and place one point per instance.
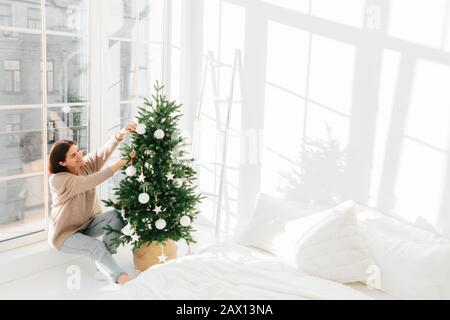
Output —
(157, 197)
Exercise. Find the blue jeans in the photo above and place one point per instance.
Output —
(84, 243)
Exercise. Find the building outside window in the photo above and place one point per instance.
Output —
(34, 18)
(12, 76)
(5, 18)
(14, 125)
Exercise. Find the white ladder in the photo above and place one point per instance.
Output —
(211, 65)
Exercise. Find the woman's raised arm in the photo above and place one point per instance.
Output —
(70, 185)
(98, 158)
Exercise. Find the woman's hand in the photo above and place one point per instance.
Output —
(129, 127)
(123, 162)
(132, 155)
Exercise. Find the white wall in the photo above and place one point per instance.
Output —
(340, 99)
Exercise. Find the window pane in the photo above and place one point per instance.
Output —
(120, 76)
(117, 117)
(21, 56)
(21, 141)
(122, 18)
(70, 61)
(68, 123)
(150, 62)
(150, 20)
(17, 13)
(67, 16)
(21, 207)
(144, 13)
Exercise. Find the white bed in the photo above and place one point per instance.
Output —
(232, 271)
(292, 250)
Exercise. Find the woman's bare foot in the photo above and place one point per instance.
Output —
(123, 278)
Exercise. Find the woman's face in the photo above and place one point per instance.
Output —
(74, 158)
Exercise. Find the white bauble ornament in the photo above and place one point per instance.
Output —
(178, 182)
(159, 134)
(144, 198)
(140, 129)
(160, 224)
(130, 171)
(185, 221)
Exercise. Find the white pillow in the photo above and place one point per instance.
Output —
(413, 263)
(326, 244)
(277, 210)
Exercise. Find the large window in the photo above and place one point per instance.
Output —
(25, 110)
(134, 59)
(41, 103)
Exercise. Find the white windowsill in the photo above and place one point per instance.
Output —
(30, 259)
(37, 257)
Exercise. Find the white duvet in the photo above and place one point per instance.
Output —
(230, 271)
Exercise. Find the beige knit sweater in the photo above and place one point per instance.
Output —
(74, 200)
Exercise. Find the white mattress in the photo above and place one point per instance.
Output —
(373, 293)
(358, 286)
(232, 271)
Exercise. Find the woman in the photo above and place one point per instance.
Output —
(76, 219)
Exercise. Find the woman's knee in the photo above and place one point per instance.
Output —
(115, 221)
(93, 249)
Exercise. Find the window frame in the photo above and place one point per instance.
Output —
(41, 235)
(97, 92)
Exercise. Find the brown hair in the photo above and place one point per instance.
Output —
(57, 154)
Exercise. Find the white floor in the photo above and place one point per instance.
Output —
(57, 282)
